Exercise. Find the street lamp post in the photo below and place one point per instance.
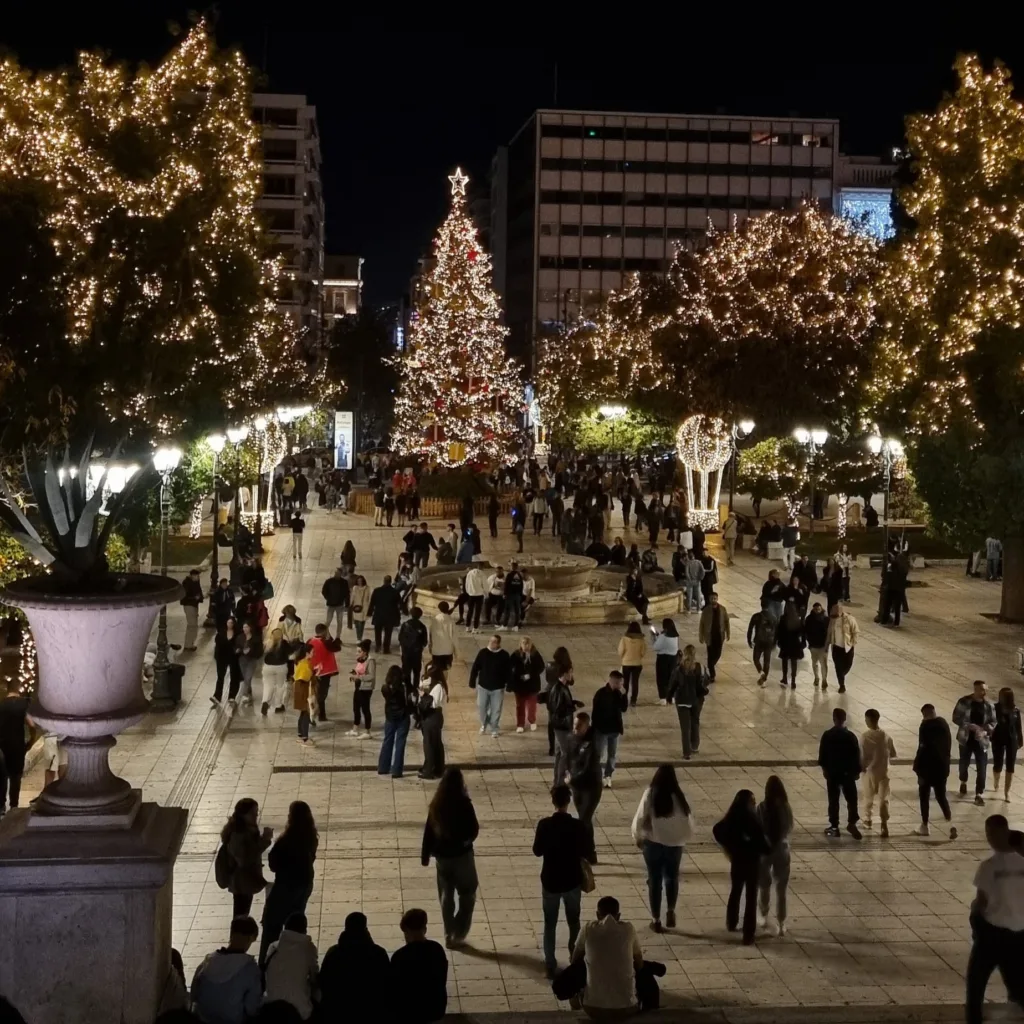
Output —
(813, 439)
(611, 413)
(740, 431)
(165, 462)
(237, 436)
(890, 449)
(216, 443)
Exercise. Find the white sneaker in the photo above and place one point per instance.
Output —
(607, 783)
(352, 732)
(483, 729)
(662, 701)
(922, 831)
(468, 630)
(514, 629)
(762, 921)
(495, 734)
(782, 929)
(519, 728)
(533, 727)
(364, 735)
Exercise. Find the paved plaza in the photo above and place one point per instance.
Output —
(877, 922)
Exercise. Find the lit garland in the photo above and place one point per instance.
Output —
(458, 390)
(841, 516)
(704, 445)
(195, 522)
(28, 666)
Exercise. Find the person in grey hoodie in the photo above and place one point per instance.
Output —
(227, 987)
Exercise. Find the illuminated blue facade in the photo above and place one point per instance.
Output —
(868, 210)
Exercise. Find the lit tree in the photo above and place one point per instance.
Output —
(952, 294)
(458, 391)
(772, 469)
(133, 289)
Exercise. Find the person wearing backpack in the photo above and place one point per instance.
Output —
(761, 636)
(238, 866)
(790, 638)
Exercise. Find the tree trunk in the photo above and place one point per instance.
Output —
(1011, 608)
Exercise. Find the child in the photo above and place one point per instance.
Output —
(364, 675)
(303, 693)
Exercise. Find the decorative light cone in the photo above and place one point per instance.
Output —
(91, 649)
(704, 444)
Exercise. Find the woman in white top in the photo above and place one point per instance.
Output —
(845, 561)
(661, 827)
(666, 648)
(433, 697)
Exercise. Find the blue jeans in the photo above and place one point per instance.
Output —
(972, 746)
(551, 901)
(488, 703)
(692, 590)
(392, 750)
(608, 743)
(662, 866)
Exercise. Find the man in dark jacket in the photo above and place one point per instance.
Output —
(585, 777)
(335, 595)
(773, 593)
(606, 716)
(13, 713)
(839, 760)
(223, 603)
(805, 573)
(385, 612)
(419, 542)
(513, 598)
(413, 639)
(562, 841)
(761, 635)
(190, 602)
(617, 553)
(489, 676)
(561, 708)
(931, 765)
(601, 553)
(816, 635)
(419, 974)
(355, 974)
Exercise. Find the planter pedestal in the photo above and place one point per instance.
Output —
(86, 917)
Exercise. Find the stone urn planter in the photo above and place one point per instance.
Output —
(90, 648)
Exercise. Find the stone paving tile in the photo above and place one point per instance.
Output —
(880, 923)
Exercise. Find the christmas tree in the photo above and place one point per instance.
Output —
(458, 391)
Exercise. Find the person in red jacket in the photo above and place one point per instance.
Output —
(325, 665)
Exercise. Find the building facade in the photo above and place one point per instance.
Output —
(863, 193)
(582, 199)
(342, 287)
(292, 206)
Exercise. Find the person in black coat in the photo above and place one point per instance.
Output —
(585, 777)
(617, 553)
(355, 974)
(489, 676)
(610, 702)
(222, 603)
(526, 671)
(740, 834)
(931, 765)
(419, 974)
(225, 657)
(385, 612)
(839, 760)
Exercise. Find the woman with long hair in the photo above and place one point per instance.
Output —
(225, 657)
(397, 718)
(632, 648)
(666, 650)
(1006, 739)
(448, 837)
(250, 654)
(358, 603)
(844, 561)
(661, 827)
(527, 667)
(776, 817)
(430, 714)
(740, 834)
(687, 690)
(239, 866)
(291, 859)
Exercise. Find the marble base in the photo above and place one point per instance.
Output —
(85, 916)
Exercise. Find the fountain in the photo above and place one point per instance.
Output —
(570, 589)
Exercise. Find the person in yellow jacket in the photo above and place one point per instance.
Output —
(632, 648)
(304, 676)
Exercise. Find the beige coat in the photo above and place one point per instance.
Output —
(632, 650)
(843, 631)
(359, 597)
(442, 636)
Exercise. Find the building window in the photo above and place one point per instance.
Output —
(547, 229)
(763, 139)
(280, 220)
(280, 149)
(570, 229)
(278, 185)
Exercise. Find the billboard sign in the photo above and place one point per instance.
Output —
(344, 439)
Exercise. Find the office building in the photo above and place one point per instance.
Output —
(863, 193)
(292, 206)
(342, 287)
(580, 199)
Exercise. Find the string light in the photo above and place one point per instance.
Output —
(195, 523)
(28, 667)
(458, 390)
(704, 446)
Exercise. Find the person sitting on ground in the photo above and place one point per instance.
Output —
(354, 974)
(291, 967)
(649, 560)
(611, 951)
(419, 973)
(227, 987)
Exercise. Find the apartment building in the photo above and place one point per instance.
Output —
(292, 206)
(580, 199)
(863, 193)
(342, 287)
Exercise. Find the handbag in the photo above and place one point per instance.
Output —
(356, 608)
(268, 590)
(587, 884)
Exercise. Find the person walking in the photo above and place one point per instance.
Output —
(190, 602)
(584, 777)
(713, 632)
(13, 717)
(608, 706)
(225, 657)
(839, 760)
(335, 593)
(687, 691)
(539, 509)
(250, 656)
(997, 920)
(975, 719)
(385, 612)
(489, 676)
(632, 648)
(493, 510)
(790, 536)
(662, 826)
(303, 694)
(298, 525)
(291, 859)
(526, 671)
(776, 817)
(1007, 739)
(842, 636)
(693, 582)
(323, 650)
(397, 719)
(562, 842)
(412, 642)
(931, 766)
(364, 678)
(442, 639)
(359, 603)
(762, 633)
(666, 653)
(238, 866)
(816, 634)
(348, 558)
(791, 641)
(742, 838)
(876, 751)
(561, 709)
(275, 654)
(448, 836)
(430, 713)
(730, 533)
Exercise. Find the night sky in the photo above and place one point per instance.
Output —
(398, 110)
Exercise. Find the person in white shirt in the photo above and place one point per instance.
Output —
(611, 950)
(661, 827)
(442, 638)
(997, 920)
(476, 586)
(529, 593)
(292, 967)
(876, 750)
(494, 604)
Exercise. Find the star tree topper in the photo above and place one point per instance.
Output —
(458, 180)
